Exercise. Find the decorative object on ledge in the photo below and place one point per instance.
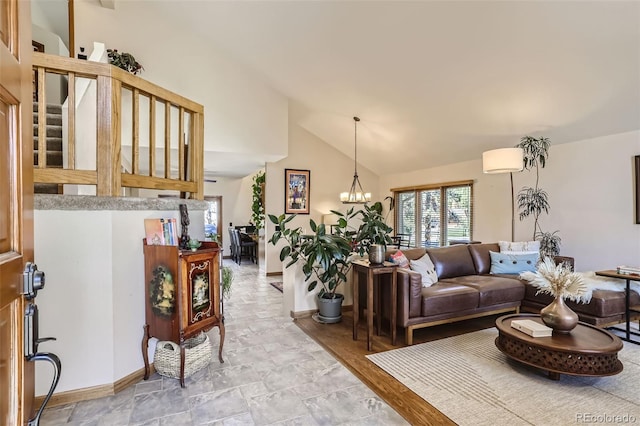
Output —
(184, 227)
(297, 188)
(125, 61)
(558, 281)
(504, 160)
(356, 194)
(193, 244)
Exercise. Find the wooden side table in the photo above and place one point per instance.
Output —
(627, 309)
(374, 270)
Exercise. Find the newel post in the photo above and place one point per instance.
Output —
(108, 161)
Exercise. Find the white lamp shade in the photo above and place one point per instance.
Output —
(503, 160)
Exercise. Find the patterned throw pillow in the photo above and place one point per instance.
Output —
(519, 247)
(502, 263)
(399, 259)
(425, 267)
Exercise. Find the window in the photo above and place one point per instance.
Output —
(435, 215)
(213, 217)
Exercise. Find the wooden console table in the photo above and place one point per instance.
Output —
(374, 270)
(627, 309)
(585, 351)
(182, 296)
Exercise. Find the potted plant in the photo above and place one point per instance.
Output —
(257, 203)
(125, 61)
(325, 258)
(560, 282)
(227, 280)
(534, 201)
(373, 234)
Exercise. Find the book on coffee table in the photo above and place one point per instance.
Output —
(532, 328)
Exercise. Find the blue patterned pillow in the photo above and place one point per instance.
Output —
(502, 263)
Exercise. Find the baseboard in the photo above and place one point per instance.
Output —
(93, 392)
(273, 274)
(302, 314)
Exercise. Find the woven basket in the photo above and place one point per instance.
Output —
(197, 355)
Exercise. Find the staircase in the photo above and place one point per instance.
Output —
(54, 145)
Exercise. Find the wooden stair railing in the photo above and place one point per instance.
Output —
(179, 168)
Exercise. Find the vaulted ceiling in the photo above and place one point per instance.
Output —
(437, 82)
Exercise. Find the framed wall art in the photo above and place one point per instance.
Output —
(297, 189)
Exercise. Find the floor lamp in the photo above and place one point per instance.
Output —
(504, 160)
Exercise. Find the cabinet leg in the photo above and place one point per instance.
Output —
(221, 327)
(182, 365)
(145, 348)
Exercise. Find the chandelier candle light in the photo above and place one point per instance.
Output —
(356, 194)
(504, 160)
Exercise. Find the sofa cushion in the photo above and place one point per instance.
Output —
(445, 297)
(502, 263)
(425, 268)
(492, 290)
(519, 247)
(481, 257)
(604, 303)
(452, 261)
(399, 259)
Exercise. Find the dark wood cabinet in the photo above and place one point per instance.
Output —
(182, 292)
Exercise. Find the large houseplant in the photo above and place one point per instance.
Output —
(533, 201)
(324, 256)
(373, 234)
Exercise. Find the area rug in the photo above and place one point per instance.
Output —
(277, 285)
(470, 381)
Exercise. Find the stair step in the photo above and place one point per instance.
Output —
(54, 159)
(52, 119)
(52, 131)
(53, 144)
(45, 188)
(51, 108)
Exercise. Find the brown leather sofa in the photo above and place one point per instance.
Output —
(466, 289)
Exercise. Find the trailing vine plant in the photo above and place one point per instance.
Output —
(257, 207)
(534, 201)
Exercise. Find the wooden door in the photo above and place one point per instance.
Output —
(16, 207)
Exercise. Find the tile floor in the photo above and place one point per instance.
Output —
(273, 375)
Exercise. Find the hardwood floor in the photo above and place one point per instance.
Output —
(338, 340)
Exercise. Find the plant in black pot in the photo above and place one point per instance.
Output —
(373, 234)
(324, 256)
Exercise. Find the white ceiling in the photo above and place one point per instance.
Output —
(438, 82)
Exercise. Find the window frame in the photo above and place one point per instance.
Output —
(418, 214)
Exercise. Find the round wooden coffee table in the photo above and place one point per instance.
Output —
(586, 351)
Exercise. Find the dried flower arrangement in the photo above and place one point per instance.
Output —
(558, 281)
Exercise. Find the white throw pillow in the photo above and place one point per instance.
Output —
(519, 247)
(425, 267)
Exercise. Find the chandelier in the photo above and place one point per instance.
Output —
(356, 194)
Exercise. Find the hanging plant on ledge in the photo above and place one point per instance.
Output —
(125, 61)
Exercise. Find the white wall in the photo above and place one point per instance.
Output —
(590, 187)
(242, 113)
(331, 174)
(93, 301)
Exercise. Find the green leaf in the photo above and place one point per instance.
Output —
(284, 253)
